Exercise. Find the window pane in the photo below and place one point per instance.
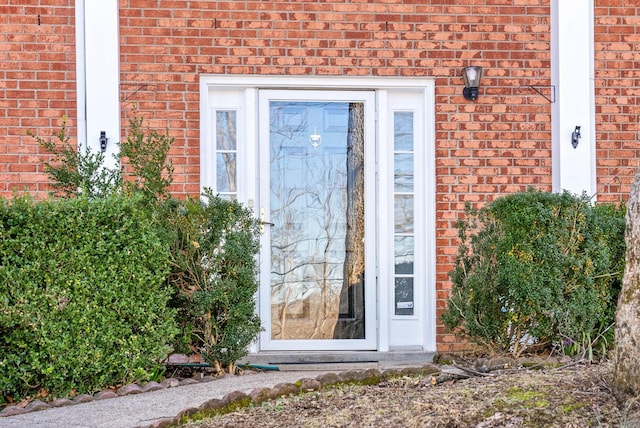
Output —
(403, 213)
(403, 172)
(226, 172)
(403, 131)
(226, 137)
(317, 210)
(404, 296)
(227, 197)
(403, 251)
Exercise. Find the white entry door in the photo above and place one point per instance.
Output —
(342, 177)
(317, 206)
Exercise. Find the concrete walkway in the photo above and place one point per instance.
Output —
(147, 409)
(141, 410)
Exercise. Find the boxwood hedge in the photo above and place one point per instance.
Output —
(83, 295)
(537, 270)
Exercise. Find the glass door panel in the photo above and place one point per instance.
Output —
(316, 221)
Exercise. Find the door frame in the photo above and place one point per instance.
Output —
(265, 96)
(243, 91)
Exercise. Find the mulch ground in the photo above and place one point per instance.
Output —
(576, 395)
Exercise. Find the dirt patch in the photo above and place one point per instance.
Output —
(575, 396)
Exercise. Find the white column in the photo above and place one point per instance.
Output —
(80, 75)
(101, 74)
(574, 169)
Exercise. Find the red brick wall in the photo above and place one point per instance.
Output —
(617, 86)
(37, 85)
(500, 144)
(497, 145)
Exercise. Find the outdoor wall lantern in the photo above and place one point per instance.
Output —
(471, 76)
(575, 137)
(103, 141)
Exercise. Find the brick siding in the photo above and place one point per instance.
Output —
(497, 145)
(37, 85)
(617, 74)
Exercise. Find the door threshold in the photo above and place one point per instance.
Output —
(338, 360)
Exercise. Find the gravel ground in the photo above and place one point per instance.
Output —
(573, 396)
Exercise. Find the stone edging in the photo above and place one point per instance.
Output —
(446, 367)
(232, 398)
(129, 389)
(237, 399)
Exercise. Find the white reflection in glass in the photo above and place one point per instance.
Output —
(403, 172)
(403, 131)
(226, 137)
(225, 162)
(403, 254)
(403, 213)
(226, 143)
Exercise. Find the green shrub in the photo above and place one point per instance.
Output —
(535, 270)
(215, 272)
(212, 244)
(73, 171)
(146, 154)
(146, 170)
(83, 295)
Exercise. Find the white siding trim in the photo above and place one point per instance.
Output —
(573, 74)
(313, 82)
(81, 94)
(384, 275)
(101, 74)
(430, 210)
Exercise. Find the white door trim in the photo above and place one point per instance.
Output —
(251, 84)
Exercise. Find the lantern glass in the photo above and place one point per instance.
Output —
(472, 76)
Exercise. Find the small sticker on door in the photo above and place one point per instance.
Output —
(404, 305)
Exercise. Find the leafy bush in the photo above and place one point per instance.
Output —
(83, 295)
(536, 269)
(212, 243)
(73, 171)
(215, 276)
(146, 154)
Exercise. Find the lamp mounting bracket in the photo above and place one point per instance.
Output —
(538, 89)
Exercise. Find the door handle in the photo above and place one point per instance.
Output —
(262, 222)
